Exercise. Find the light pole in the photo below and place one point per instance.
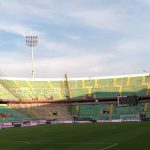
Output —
(32, 41)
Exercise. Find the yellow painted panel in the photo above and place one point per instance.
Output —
(143, 80)
(83, 84)
(128, 81)
(29, 84)
(89, 91)
(148, 89)
(95, 83)
(120, 90)
(115, 82)
(49, 84)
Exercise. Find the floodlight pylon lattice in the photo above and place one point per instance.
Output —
(32, 41)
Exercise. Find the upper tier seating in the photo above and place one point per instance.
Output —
(36, 89)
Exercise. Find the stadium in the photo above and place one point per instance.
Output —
(96, 105)
(74, 75)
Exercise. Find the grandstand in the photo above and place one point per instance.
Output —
(55, 89)
(7, 114)
(94, 98)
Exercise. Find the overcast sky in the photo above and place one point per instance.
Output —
(81, 37)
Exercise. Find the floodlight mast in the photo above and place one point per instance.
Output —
(32, 41)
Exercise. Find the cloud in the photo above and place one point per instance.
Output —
(51, 12)
(16, 28)
(30, 11)
(76, 66)
(20, 17)
(78, 37)
(60, 48)
(133, 46)
(143, 1)
(55, 67)
(73, 37)
(14, 66)
(100, 19)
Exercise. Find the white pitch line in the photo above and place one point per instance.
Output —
(110, 146)
(47, 142)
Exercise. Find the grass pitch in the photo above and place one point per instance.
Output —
(96, 136)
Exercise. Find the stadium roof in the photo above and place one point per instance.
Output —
(79, 78)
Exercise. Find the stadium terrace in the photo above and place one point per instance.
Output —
(101, 99)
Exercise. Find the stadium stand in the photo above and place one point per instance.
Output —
(105, 111)
(46, 111)
(25, 91)
(7, 114)
(40, 89)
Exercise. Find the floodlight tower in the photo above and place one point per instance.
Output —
(32, 41)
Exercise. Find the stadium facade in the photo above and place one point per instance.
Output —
(125, 97)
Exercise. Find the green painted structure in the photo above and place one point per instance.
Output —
(7, 114)
(55, 89)
(43, 89)
(107, 111)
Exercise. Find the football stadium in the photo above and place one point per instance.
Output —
(74, 75)
(109, 112)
